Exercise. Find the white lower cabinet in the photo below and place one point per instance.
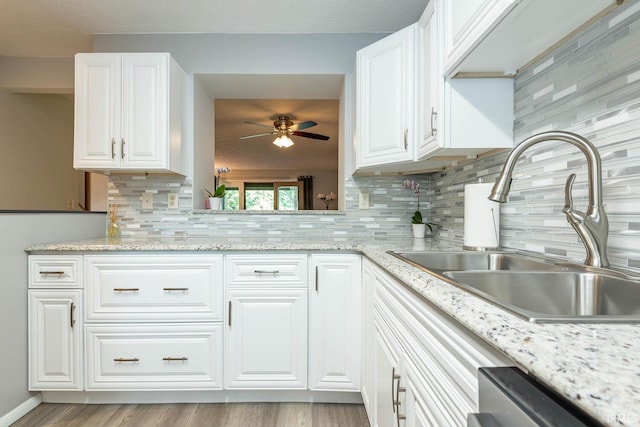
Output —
(335, 283)
(55, 339)
(266, 321)
(153, 322)
(434, 360)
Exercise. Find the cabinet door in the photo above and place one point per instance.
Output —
(266, 340)
(385, 100)
(466, 23)
(55, 338)
(414, 407)
(145, 93)
(97, 111)
(368, 335)
(386, 367)
(334, 329)
(430, 83)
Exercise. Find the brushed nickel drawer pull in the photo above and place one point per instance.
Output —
(434, 115)
(72, 321)
(175, 289)
(52, 273)
(126, 289)
(267, 272)
(175, 359)
(124, 359)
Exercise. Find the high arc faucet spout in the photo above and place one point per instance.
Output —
(592, 226)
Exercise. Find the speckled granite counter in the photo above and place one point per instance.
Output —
(596, 366)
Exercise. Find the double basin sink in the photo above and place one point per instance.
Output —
(537, 289)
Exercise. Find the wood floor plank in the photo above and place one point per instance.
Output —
(294, 415)
(44, 414)
(210, 414)
(196, 415)
(338, 415)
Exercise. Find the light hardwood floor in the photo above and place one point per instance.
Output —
(196, 415)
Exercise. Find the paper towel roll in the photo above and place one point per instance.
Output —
(481, 218)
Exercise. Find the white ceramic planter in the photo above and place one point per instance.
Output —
(215, 203)
(419, 230)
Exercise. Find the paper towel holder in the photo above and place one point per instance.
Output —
(481, 219)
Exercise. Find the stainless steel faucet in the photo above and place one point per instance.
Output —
(592, 226)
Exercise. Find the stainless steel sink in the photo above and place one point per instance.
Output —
(439, 262)
(546, 296)
(536, 288)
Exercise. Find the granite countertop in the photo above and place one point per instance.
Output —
(596, 366)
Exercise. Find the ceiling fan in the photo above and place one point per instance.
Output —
(284, 128)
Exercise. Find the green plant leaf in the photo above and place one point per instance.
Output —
(417, 218)
(220, 191)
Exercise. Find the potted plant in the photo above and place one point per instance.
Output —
(215, 198)
(419, 226)
(417, 223)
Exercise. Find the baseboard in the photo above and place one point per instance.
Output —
(184, 396)
(21, 410)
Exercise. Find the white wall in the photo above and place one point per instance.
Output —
(247, 53)
(19, 231)
(38, 75)
(36, 158)
(204, 144)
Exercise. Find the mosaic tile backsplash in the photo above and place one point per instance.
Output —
(590, 86)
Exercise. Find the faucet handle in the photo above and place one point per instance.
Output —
(573, 215)
(568, 198)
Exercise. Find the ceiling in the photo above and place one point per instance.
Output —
(241, 98)
(259, 153)
(61, 28)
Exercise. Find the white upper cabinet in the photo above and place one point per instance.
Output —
(385, 101)
(128, 113)
(501, 36)
(443, 120)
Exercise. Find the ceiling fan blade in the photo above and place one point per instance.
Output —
(311, 135)
(256, 135)
(303, 125)
(260, 124)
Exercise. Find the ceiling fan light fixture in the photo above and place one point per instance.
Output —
(283, 141)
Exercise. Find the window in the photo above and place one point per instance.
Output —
(232, 199)
(284, 196)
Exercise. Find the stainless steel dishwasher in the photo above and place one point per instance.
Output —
(510, 398)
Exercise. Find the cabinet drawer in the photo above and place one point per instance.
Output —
(276, 269)
(55, 271)
(142, 357)
(154, 288)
